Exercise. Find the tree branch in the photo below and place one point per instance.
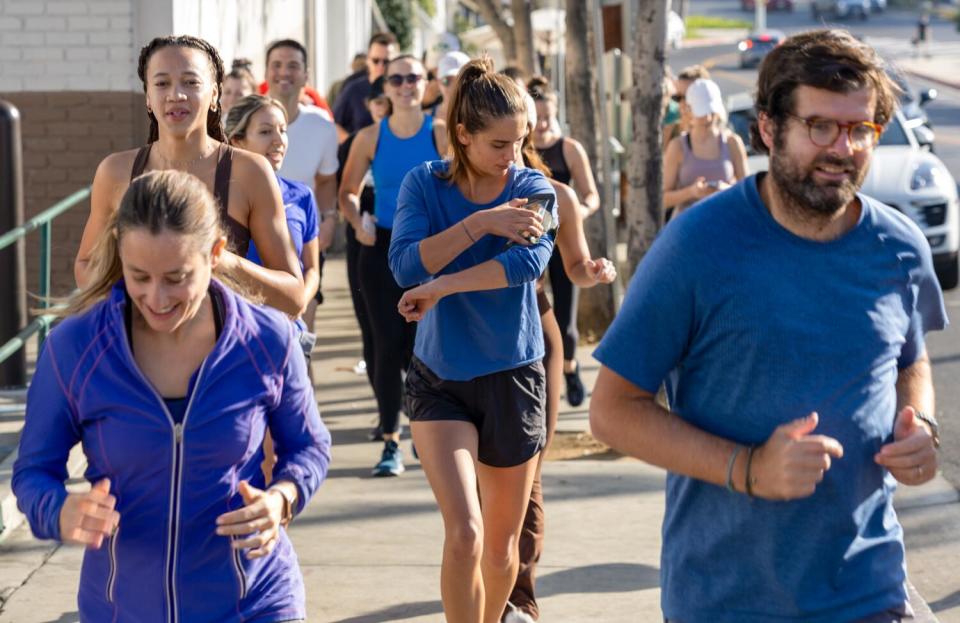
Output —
(491, 14)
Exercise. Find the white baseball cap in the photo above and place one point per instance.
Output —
(704, 98)
(450, 63)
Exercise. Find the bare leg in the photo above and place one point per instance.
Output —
(532, 534)
(505, 492)
(448, 455)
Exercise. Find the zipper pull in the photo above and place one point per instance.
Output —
(178, 432)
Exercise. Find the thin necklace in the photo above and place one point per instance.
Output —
(183, 163)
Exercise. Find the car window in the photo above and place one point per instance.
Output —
(894, 134)
(739, 121)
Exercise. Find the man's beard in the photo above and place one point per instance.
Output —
(803, 194)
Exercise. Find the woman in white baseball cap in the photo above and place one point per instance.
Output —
(706, 159)
(447, 69)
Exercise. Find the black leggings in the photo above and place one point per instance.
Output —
(392, 335)
(359, 305)
(566, 297)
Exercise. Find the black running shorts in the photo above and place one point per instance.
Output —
(508, 408)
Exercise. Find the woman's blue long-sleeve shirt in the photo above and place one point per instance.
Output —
(471, 334)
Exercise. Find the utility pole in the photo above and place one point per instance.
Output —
(760, 15)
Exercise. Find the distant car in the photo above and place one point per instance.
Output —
(902, 174)
(837, 9)
(772, 5)
(757, 45)
(676, 30)
(912, 103)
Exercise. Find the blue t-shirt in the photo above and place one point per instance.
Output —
(394, 158)
(301, 210)
(755, 327)
(471, 334)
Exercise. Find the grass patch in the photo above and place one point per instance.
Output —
(700, 22)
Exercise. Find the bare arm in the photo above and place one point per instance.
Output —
(440, 137)
(912, 456)
(279, 279)
(629, 420)
(325, 190)
(788, 465)
(915, 386)
(672, 159)
(582, 175)
(109, 184)
(738, 153)
(351, 184)
(577, 263)
(311, 269)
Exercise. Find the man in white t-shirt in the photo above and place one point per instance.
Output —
(311, 155)
(312, 151)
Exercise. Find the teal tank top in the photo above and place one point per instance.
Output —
(394, 158)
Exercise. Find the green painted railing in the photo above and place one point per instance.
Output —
(43, 222)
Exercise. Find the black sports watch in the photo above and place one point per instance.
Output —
(930, 421)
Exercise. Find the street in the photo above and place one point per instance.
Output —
(890, 33)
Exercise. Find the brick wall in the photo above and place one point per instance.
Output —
(69, 67)
(65, 136)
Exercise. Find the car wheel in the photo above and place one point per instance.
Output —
(948, 273)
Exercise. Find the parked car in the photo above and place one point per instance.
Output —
(772, 5)
(912, 103)
(902, 174)
(837, 9)
(757, 45)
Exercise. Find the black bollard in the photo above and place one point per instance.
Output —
(13, 291)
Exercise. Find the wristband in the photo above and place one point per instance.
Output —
(287, 513)
(749, 463)
(730, 464)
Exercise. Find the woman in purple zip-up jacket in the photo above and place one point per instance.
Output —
(169, 380)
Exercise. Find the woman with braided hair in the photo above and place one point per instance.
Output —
(182, 80)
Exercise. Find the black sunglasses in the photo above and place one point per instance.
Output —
(396, 80)
(677, 97)
(379, 61)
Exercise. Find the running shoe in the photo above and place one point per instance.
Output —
(516, 615)
(391, 461)
(375, 434)
(575, 390)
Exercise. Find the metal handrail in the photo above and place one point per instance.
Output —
(43, 222)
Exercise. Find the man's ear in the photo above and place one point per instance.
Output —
(767, 129)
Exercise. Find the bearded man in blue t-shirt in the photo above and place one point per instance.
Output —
(787, 317)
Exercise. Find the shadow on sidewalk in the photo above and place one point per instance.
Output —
(615, 577)
(397, 612)
(950, 601)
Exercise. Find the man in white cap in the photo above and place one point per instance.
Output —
(447, 69)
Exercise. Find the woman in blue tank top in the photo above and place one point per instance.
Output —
(390, 149)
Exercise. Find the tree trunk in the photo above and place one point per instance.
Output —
(645, 170)
(490, 11)
(523, 33)
(583, 110)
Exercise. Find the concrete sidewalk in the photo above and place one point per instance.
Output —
(370, 548)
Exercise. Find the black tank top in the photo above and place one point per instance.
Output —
(553, 158)
(238, 236)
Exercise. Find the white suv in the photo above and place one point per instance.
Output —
(837, 9)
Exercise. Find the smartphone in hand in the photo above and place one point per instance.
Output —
(543, 206)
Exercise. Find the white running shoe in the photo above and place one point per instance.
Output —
(515, 615)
